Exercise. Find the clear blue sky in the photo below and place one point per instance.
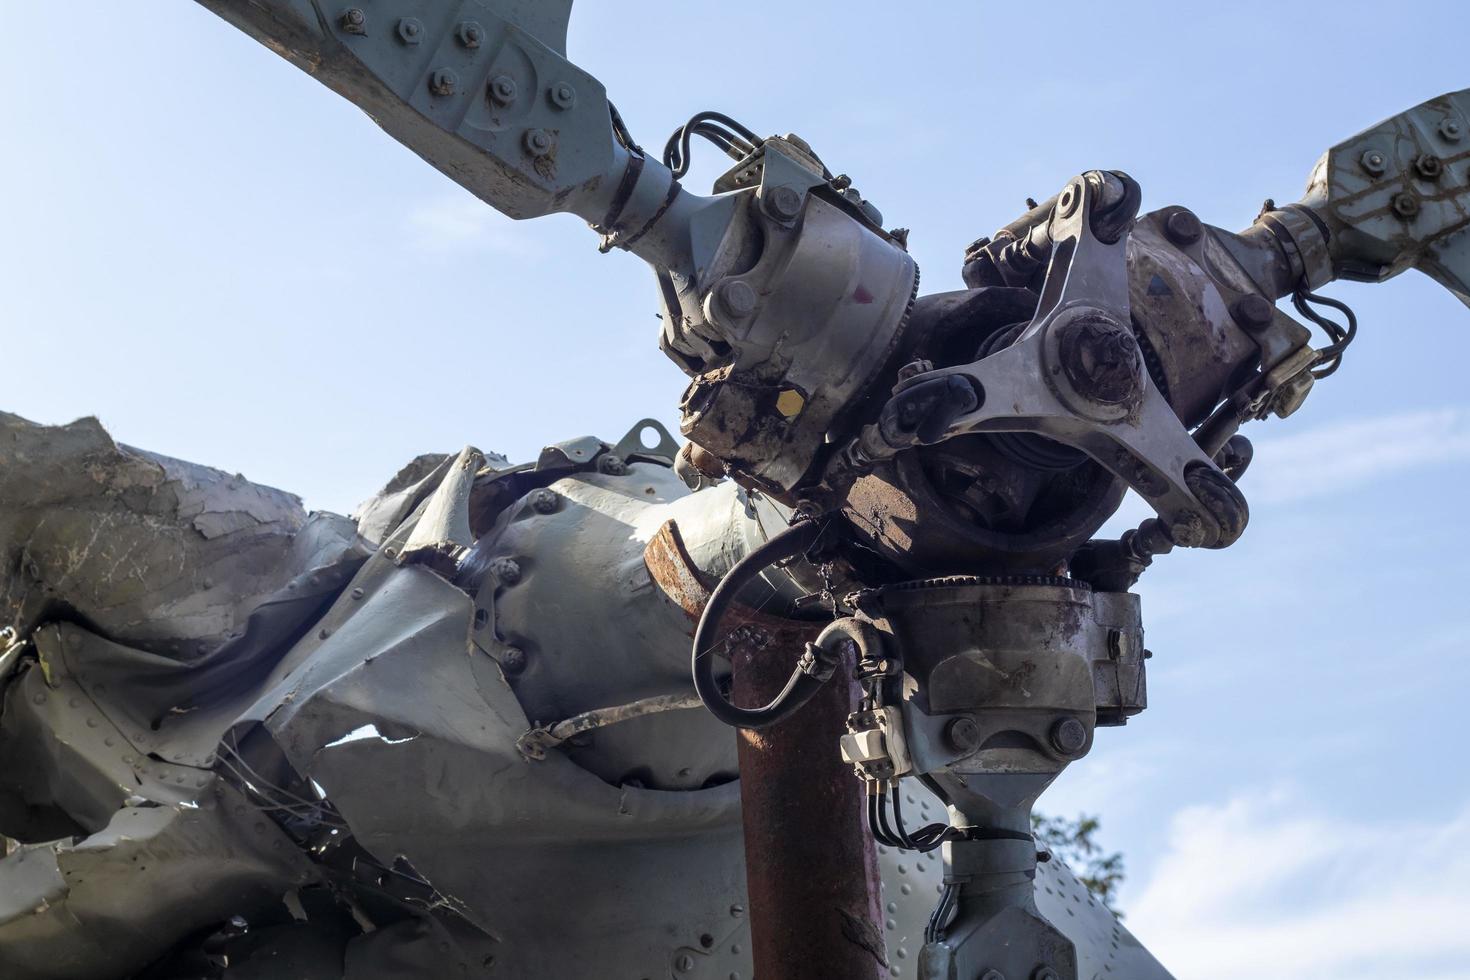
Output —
(228, 264)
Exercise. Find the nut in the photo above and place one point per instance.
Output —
(611, 464)
(503, 89)
(537, 142)
(1405, 205)
(1428, 165)
(544, 501)
(513, 660)
(410, 31)
(1183, 228)
(562, 95)
(1451, 130)
(1374, 162)
(1188, 530)
(783, 203)
(354, 21)
(1101, 359)
(470, 34)
(506, 570)
(443, 81)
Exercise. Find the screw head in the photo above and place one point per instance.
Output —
(357, 593)
(1374, 162)
(962, 734)
(537, 142)
(1428, 165)
(544, 501)
(1183, 228)
(353, 20)
(1069, 736)
(410, 31)
(1451, 130)
(1405, 205)
(513, 660)
(443, 81)
(470, 34)
(611, 464)
(1253, 312)
(562, 95)
(783, 203)
(503, 89)
(737, 297)
(683, 962)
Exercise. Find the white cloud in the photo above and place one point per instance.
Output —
(462, 221)
(1260, 887)
(1331, 458)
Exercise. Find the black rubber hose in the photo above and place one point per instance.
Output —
(793, 541)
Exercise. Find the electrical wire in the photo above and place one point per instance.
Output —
(730, 136)
(1329, 358)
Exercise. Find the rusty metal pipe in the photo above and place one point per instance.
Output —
(811, 867)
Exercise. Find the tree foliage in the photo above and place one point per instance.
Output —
(1075, 842)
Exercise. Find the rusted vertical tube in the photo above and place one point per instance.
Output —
(811, 867)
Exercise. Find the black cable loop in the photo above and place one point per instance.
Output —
(729, 135)
(1329, 358)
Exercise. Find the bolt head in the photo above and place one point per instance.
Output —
(612, 464)
(1451, 130)
(503, 89)
(1253, 312)
(1428, 165)
(1188, 531)
(507, 570)
(544, 501)
(443, 81)
(1069, 736)
(562, 95)
(537, 142)
(353, 20)
(1183, 228)
(470, 34)
(1405, 205)
(738, 298)
(1374, 162)
(992, 975)
(513, 660)
(783, 203)
(683, 962)
(962, 734)
(1045, 973)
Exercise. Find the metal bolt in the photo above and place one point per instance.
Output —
(1450, 130)
(357, 593)
(1045, 973)
(1428, 165)
(683, 962)
(503, 89)
(1253, 312)
(507, 570)
(470, 34)
(1405, 205)
(544, 501)
(915, 368)
(410, 31)
(537, 142)
(737, 911)
(1374, 162)
(562, 95)
(1183, 228)
(783, 203)
(962, 734)
(443, 81)
(611, 464)
(1068, 200)
(737, 297)
(1102, 360)
(992, 975)
(513, 660)
(1069, 736)
(354, 21)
